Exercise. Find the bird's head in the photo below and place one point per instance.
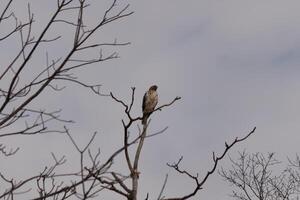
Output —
(153, 87)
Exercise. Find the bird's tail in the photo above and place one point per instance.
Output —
(145, 118)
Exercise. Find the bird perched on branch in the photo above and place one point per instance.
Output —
(149, 102)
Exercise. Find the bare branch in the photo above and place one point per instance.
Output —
(216, 159)
(163, 188)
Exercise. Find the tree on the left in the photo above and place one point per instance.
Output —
(22, 84)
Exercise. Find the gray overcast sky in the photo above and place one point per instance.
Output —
(234, 63)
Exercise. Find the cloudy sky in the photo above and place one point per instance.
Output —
(234, 63)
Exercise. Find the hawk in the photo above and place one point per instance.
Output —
(149, 102)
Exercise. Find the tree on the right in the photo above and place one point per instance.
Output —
(261, 176)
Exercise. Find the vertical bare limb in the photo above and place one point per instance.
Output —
(133, 168)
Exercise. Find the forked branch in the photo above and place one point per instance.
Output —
(200, 182)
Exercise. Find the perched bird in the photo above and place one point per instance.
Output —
(149, 102)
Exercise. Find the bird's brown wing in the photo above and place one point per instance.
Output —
(144, 101)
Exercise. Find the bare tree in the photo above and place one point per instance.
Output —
(254, 177)
(22, 84)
